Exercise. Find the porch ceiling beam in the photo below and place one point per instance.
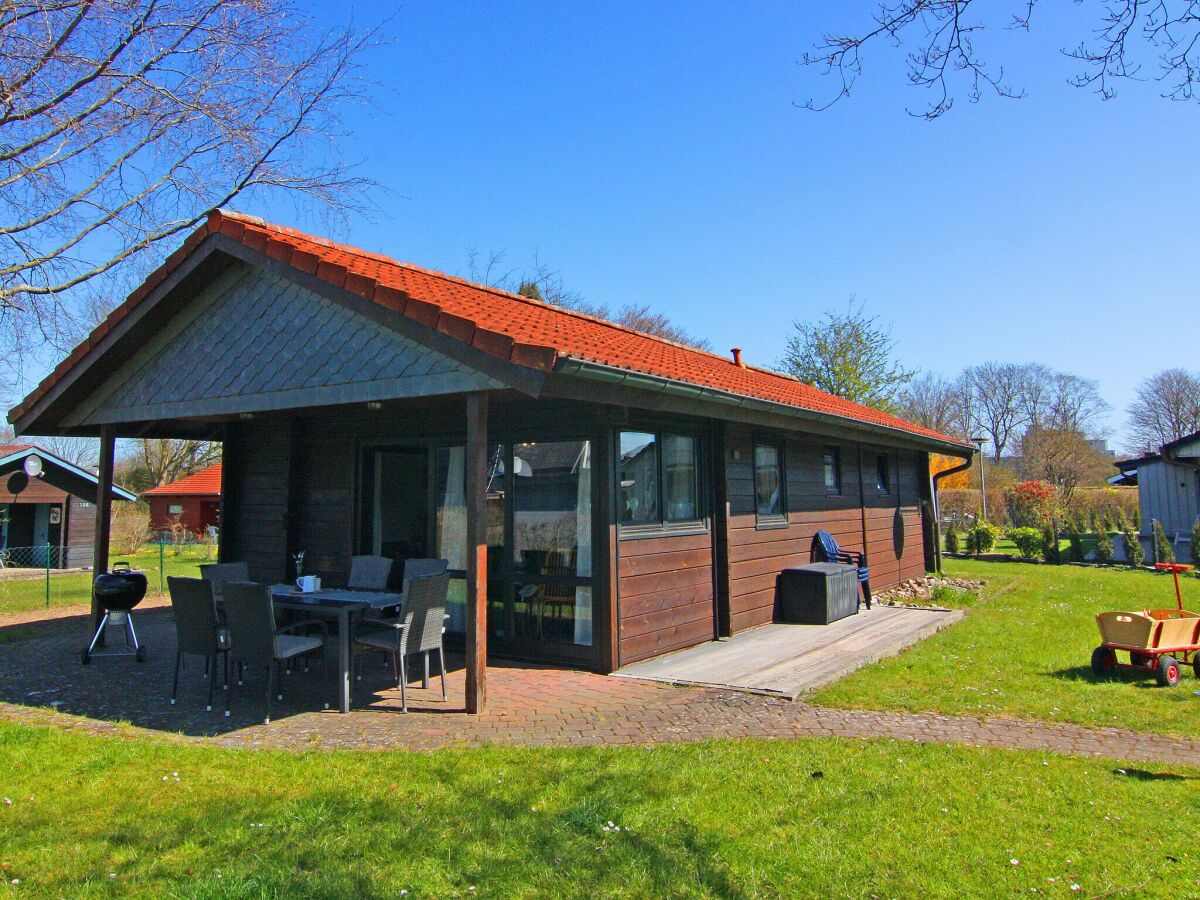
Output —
(476, 491)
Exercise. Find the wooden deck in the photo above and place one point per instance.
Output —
(787, 660)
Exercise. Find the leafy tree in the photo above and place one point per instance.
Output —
(1104, 548)
(1134, 555)
(1166, 408)
(849, 355)
(122, 124)
(1163, 551)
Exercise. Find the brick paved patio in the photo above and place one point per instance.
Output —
(40, 677)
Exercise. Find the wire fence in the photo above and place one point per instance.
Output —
(50, 575)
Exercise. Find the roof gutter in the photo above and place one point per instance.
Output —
(656, 384)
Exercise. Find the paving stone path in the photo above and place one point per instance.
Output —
(42, 681)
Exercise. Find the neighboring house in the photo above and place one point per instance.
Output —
(194, 502)
(50, 515)
(1168, 490)
(602, 495)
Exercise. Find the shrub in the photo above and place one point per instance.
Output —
(1076, 551)
(981, 537)
(129, 527)
(951, 539)
(1050, 545)
(1133, 549)
(1031, 503)
(1122, 525)
(1104, 548)
(1163, 552)
(1196, 544)
(1106, 523)
(1028, 541)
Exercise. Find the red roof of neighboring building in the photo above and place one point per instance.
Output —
(206, 481)
(514, 328)
(10, 449)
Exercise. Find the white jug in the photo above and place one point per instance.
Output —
(308, 584)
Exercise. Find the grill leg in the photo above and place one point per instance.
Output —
(99, 633)
(175, 683)
(131, 632)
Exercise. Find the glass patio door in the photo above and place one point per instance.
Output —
(539, 533)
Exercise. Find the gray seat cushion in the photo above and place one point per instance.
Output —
(384, 640)
(293, 644)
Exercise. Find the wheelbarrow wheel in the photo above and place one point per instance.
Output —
(1104, 660)
(1168, 671)
(1196, 664)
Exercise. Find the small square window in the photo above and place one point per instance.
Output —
(175, 509)
(833, 470)
(883, 482)
(768, 482)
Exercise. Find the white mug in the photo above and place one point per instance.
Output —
(308, 584)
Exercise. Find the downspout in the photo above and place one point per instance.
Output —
(937, 510)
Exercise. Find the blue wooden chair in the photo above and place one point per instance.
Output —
(826, 549)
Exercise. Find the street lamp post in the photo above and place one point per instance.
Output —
(979, 442)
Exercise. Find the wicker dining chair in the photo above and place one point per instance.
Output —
(198, 630)
(418, 630)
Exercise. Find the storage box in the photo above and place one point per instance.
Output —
(818, 594)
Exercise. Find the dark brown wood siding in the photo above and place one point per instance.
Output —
(756, 554)
(81, 533)
(665, 586)
(255, 497)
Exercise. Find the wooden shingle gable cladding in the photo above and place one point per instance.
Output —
(278, 345)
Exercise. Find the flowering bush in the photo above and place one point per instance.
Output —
(1031, 504)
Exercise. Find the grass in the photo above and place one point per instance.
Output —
(1025, 651)
(104, 816)
(18, 594)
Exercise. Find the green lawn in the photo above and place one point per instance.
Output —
(97, 816)
(17, 594)
(1025, 651)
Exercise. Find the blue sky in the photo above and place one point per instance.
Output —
(655, 153)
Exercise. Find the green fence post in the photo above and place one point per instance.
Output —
(162, 561)
(48, 550)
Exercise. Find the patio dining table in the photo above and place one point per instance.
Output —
(345, 605)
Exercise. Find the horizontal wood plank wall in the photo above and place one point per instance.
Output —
(665, 586)
(81, 532)
(324, 467)
(757, 555)
(257, 459)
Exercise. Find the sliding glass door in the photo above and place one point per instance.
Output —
(539, 534)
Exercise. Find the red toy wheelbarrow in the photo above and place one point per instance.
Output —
(1158, 641)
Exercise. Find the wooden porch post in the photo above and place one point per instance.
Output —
(104, 480)
(476, 490)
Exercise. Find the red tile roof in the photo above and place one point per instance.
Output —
(10, 449)
(514, 328)
(206, 481)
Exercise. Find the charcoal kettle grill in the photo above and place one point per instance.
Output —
(117, 593)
